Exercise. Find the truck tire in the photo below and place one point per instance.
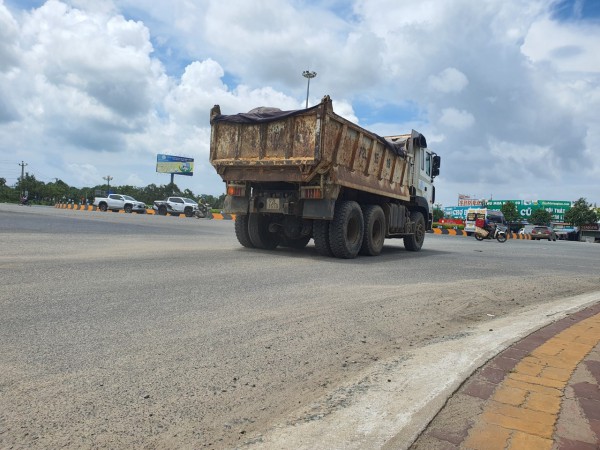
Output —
(241, 231)
(258, 230)
(128, 209)
(346, 230)
(374, 234)
(162, 210)
(103, 207)
(321, 237)
(189, 212)
(414, 242)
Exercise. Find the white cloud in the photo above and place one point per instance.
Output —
(449, 80)
(566, 47)
(454, 118)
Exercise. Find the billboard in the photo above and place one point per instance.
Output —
(457, 212)
(174, 164)
(557, 208)
(466, 200)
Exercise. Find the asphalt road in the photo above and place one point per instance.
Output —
(160, 332)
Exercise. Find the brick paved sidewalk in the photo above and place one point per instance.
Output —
(541, 393)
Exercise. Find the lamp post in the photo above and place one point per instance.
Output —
(308, 75)
(107, 178)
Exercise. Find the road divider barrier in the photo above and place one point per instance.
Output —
(217, 216)
(453, 232)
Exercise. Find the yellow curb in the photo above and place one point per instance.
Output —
(539, 379)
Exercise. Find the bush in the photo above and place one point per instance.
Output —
(448, 226)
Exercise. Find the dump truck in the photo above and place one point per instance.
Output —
(295, 175)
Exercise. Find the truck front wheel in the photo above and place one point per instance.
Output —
(346, 230)
(374, 234)
(414, 242)
(241, 230)
(128, 209)
(189, 212)
(258, 230)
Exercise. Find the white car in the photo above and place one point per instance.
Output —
(116, 202)
(176, 206)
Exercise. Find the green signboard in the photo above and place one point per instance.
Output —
(557, 208)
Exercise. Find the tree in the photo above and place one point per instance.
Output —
(540, 217)
(509, 209)
(581, 213)
(2, 181)
(437, 214)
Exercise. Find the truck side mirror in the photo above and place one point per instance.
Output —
(435, 169)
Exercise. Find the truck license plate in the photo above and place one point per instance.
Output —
(273, 203)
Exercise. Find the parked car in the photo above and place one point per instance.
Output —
(527, 229)
(543, 233)
(176, 206)
(116, 202)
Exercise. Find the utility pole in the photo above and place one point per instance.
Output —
(23, 164)
(107, 178)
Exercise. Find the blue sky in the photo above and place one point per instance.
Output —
(505, 92)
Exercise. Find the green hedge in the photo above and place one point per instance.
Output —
(448, 226)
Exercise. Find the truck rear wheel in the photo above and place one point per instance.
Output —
(103, 206)
(414, 242)
(346, 230)
(374, 234)
(321, 237)
(162, 210)
(258, 230)
(241, 231)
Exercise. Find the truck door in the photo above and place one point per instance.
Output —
(424, 185)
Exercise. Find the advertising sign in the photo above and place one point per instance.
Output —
(174, 164)
(465, 200)
(557, 208)
(457, 212)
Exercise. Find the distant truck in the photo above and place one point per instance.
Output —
(117, 202)
(295, 175)
(176, 206)
(491, 215)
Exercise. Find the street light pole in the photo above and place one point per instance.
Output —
(308, 75)
(107, 178)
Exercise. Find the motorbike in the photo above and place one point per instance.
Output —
(499, 233)
(203, 212)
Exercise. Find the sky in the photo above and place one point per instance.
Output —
(506, 92)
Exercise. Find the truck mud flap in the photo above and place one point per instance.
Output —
(236, 205)
(318, 209)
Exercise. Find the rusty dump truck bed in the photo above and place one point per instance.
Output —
(269, 145)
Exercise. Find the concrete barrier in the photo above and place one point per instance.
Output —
(217, 216)
(463, 233)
